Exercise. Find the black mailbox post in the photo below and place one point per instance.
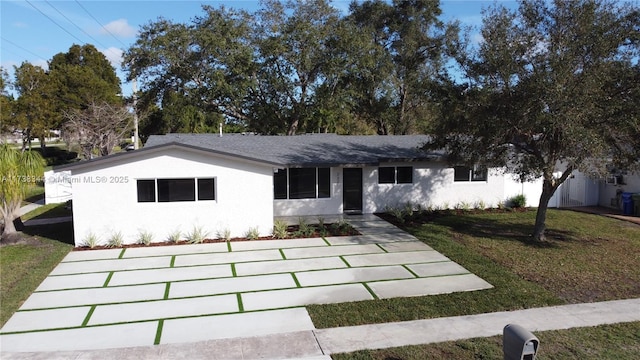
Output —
(519, 343)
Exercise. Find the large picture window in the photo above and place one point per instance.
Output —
(173, 190)
(395, 175)
(466, 173)
(302, 183)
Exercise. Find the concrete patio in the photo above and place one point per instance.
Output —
(120, 298)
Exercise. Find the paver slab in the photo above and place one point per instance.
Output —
(352, 275)
(428, 286)
(313, 252)
(437, 269)
(84, 255)
(76, 281)
(46, 319)
(272, 267)
(98, 337)
(162, 309)
(369, 239)
(235, 325)
(274, 299)
(82, 267)
(227, 258)
(79, 297)
(230, 285)
(175, 250)
(405, 246)
(169, 274)
(275, 244)
(400, 258)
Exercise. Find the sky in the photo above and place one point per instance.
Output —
(36, 30)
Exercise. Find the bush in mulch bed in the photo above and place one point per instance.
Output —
(412, 218)
(292, 232)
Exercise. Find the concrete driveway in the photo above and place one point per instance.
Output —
(131, 297)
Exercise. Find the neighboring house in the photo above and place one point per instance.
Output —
(234, 182)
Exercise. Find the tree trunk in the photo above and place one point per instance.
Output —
(9, 227)
(541, 215)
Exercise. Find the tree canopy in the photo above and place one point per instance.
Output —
(297, 66)
(552, 88)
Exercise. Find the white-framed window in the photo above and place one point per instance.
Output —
(466, 173)
(176, 189)
(302, 183)
(395, 175)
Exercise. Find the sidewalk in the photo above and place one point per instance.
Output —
(320, 343)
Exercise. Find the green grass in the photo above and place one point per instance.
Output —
(619, 341)
(48, 211)
(24, 267)
(586, 258)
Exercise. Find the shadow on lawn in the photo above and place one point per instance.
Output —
(495, 226)
(62, 232)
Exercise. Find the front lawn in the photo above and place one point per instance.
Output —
(48, 211)
(586, 258)
(618, 341)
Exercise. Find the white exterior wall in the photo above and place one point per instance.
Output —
(530, 189)
(432, 185)
(57, 187)
(610, 194)
(244, 197)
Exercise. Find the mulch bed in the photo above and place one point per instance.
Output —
(293, 230)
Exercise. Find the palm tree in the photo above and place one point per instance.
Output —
(18, 172)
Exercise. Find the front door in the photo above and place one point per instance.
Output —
(352, 190)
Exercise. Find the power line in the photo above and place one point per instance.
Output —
(20, 47)
(103, 27)
(74, 24)
(53, 21)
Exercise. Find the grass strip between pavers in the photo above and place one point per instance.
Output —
(284, 257)
(375, 297)
(166, 291)
(326, 241)
(156, 341)
(295, 279)
(344, 261)
(86, 319)
(233, 270)
(383, 249)
(122, 253)
(173, 261)
(411, 271)
(106, 282)
(240, 305)
(229, 246)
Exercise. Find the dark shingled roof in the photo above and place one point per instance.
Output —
(308, 150)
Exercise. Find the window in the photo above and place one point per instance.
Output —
(465, 173)
(404, 175)
(386, 175)
(146, 191)
(302, 183)
(280, 184)
(206, 189)
(170, 190)
(395, 175)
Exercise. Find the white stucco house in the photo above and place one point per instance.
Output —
(234, 182)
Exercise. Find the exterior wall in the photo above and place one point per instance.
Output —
(530, 189)
(432, 185)
(244, 197)
(611, 194)
(57, 187)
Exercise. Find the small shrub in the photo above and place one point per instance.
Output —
(480, 205)
(463, 205)
(280, 229)
(320, 222)
(397, 213)
(115, 240)
(224, 234)
(253, 233)
(500, 205)
(174, 236)
(518, 201)
(196, 235)
(408, 209)
(445, 205)
(145, 237)
(91, 240)
(304, 230)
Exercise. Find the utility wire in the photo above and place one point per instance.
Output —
(20, 47)
(53, 21)
(74, 24)
(103, 27)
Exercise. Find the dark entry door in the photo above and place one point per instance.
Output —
(352, 190)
